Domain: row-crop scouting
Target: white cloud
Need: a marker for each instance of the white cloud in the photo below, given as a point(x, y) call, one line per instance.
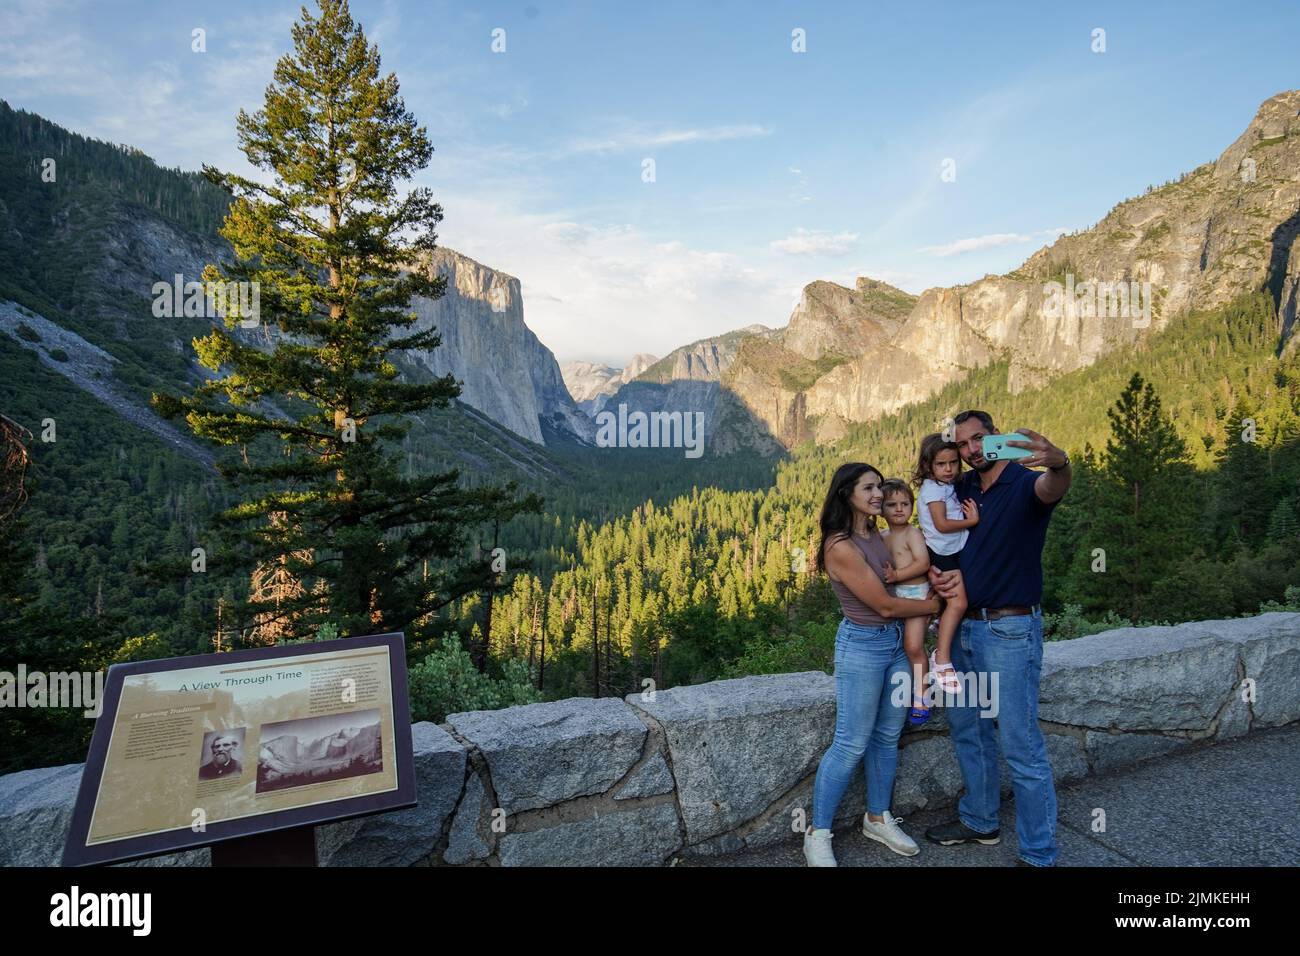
point(604, 292)
point(807, 242)
point(645, 139)
point(990, 241)
point(977, 242)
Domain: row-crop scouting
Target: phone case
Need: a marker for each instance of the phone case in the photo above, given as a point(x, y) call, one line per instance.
point(996, 447)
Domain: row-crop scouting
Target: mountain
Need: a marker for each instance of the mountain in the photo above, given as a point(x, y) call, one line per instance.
point(81, 254)
point(289, 761)
point(1225, 229)
point(282, 752)
point(504, 370)
point(704, 360)
point(749, 382)
point(689, 379)
point(591, 384)
point(831, 326)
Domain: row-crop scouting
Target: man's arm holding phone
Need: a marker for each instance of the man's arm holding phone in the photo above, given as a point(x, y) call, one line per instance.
point(1053, 483)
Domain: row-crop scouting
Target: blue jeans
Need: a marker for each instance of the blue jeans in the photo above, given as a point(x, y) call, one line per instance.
point(1013, 648)
point(870, 666)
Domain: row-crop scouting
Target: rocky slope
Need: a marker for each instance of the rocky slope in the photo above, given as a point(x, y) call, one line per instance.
point(829, 327)
point(505, 372)
point(689, 379)
point(852, 355)
point(703, 361)
point(750, 383)
point(1225, 228)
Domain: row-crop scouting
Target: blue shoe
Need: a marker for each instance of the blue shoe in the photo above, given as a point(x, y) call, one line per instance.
point(918, 715)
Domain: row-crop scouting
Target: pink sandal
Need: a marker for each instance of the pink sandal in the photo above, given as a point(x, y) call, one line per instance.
point(945, 674)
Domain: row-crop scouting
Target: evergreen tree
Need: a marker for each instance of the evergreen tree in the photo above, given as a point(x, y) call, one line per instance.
point(1284, 523)
point(1147, 521)
point(326, 242)
point(1242, 499)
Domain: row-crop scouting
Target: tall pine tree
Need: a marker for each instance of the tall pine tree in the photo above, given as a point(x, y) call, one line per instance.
point(337, 254)
point(1243, 498)
point(1148, 514)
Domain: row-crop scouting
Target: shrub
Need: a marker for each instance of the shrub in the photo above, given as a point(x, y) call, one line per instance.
point(1290, 602)
point(809, 647)
point(1071, 623)
point(447, 682)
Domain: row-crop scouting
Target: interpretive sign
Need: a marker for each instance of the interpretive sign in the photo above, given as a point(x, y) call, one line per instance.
point(191, 751)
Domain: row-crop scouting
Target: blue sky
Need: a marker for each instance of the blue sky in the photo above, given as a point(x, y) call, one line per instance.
point(772, 168)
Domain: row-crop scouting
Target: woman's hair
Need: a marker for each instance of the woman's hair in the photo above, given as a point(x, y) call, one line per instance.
point(897, 486)
point(837, 514)
point(931, 445)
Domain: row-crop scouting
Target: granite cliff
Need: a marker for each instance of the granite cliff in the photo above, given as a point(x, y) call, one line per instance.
point(1225, 228)
point(504, 370)
point(853, 355)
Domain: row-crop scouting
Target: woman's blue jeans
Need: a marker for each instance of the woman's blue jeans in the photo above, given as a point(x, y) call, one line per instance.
point(870, 668)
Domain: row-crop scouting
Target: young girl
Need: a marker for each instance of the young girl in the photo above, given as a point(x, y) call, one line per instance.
point(907, 579)
point(945, 524)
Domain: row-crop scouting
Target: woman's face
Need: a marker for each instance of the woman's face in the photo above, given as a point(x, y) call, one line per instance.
point(866, 497)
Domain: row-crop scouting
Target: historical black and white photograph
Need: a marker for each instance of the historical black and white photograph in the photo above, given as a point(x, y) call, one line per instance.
point(223, 754)
point(294, 753)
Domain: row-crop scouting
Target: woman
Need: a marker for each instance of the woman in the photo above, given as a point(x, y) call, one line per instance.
point(869, 664)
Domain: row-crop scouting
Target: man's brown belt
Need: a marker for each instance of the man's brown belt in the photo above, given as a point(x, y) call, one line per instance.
point(993, 613)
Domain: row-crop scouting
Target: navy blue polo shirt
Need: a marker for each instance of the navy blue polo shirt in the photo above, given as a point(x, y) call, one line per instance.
point(1002, 562)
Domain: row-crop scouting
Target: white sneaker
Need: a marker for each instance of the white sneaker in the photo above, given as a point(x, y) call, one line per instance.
point(888, 833)
point(817, 848)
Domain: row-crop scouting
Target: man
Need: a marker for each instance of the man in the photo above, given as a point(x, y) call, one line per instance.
point(223, 763)
point(1002, 568)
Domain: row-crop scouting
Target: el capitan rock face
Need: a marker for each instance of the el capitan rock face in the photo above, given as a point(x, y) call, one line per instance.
point(505, 372)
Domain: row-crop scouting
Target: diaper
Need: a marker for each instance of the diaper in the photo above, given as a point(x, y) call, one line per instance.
point(915, 592)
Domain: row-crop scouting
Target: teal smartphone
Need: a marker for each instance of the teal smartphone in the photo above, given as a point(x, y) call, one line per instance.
point(996, 447)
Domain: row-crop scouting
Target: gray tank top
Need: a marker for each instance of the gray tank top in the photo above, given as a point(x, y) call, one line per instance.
point(876, 552)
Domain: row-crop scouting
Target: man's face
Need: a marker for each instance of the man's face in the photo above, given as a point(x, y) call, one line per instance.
point(223, 751)
point(968, 436)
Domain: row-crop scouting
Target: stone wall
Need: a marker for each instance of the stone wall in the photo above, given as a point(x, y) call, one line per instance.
point(719, 767)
